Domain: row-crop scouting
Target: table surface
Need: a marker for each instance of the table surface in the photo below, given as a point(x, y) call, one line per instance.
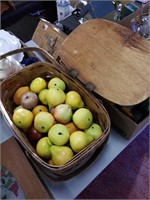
point(69, 189)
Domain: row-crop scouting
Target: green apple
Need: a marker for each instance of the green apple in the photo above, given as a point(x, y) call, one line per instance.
point(43, 121)
point(55, 96)
point(95, 130)
point(57, 83)
point(74, 99)
point(22, 118)
point(83, 118)
point(43, 148)
point(59, 134)
point(60, 154)
point(62, 113)
point(43, 96)
point(38, 84)
point(78, 141)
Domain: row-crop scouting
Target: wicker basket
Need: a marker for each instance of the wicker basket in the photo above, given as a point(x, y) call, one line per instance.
point(47, 70)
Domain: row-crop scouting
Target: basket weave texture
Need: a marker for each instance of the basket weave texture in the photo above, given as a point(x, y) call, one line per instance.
point(48, 70)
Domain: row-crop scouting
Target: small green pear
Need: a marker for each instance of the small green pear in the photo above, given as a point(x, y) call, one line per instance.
point(90, 138)
point(55, 96)
point(94, 130)
point(74, 99)
point(22, 118)
point(60, 154)
point(42, 96)
point(43, 148)
point(79, 140)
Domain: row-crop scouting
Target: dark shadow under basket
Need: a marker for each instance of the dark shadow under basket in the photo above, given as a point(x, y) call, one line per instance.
point(48, 70)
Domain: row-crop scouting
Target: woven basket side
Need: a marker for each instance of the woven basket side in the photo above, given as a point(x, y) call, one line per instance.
point(47, 71)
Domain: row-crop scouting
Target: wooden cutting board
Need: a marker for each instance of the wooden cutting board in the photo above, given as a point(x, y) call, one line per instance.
point(111, 57)
point(14, 160)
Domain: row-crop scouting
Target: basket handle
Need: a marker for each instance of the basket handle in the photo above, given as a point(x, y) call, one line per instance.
point(27, 49)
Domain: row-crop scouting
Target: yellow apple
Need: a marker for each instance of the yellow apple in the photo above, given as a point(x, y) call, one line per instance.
point(57, 83)
point(38, 84)
point(22, 118)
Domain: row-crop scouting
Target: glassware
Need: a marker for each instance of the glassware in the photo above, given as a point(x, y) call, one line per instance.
point(141, 25)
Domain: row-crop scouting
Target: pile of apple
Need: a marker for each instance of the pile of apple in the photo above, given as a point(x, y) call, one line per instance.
point(57, 122)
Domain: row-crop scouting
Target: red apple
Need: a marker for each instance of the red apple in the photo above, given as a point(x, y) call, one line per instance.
point(34, 135)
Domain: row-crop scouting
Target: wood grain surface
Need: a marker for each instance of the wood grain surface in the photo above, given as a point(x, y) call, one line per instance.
point(111, 57)
point(13, 159)
point(46, 31)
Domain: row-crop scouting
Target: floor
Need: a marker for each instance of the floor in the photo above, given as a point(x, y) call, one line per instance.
point(127, 177)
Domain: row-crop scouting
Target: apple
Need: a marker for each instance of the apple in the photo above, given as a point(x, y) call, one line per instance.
point(22, 118)
point(57, 83)
point(78, 141)
point(58, 134)
point(83, 118)
point(71, 127)
point(42, 96)
point(95, 130)
point(39, 108)
point(29, 100)
point(62, 113)
point(33, 135)
point(74, 99)
point(60, 154)
point(19, 92)
point(55, 96)
point(43, 121)
point(43, 148)
point(38, 84)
